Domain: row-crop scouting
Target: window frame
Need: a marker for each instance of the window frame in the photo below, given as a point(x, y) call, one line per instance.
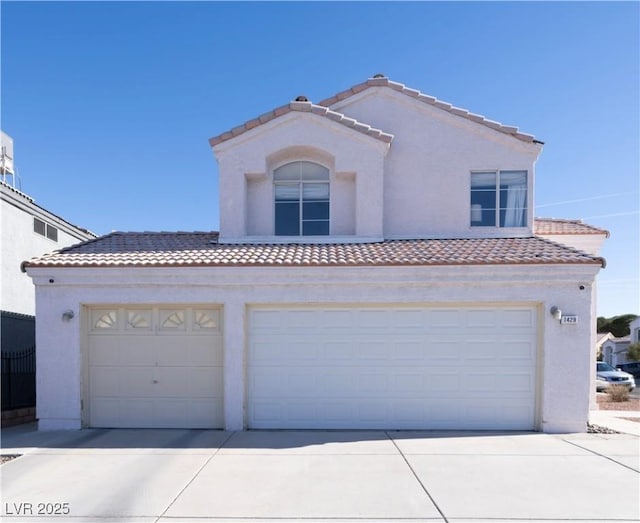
point(47, 230)
point(499, 208)
point(300, 184)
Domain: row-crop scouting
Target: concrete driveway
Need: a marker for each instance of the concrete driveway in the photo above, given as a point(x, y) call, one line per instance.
point(198, 476)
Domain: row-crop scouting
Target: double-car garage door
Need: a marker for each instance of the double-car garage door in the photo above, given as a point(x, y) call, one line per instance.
point(392, 368)
point(317, 368)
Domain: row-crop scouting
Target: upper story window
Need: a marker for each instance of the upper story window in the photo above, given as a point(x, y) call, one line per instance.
point(499, 199)
point(44, 229)
point(301, 192)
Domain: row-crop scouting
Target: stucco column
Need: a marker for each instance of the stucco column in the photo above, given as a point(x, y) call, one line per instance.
point(58, 361)
point(234, 342)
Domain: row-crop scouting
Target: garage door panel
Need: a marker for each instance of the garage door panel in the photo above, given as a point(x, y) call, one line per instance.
point(205, 350)
point(172, 412)
point(306, 350)
point(268, 413)
point(136, 381)
point(339, 319)
point(443, 352)
point(479, 383)
point(373, 384)
point(107, 409)
point(304, 410)
point(409, 383)
point(408, 320)
point(449, 320)
point(118, 350)
point(266, 351)
point(340, 412)
point(173, 382)
point(485, 352)
point(410, 411)
point(136, 350)
point(522, 351)
point(482, 319)
point(408, 350)
point(442, 384)
point(372, 351)
point(134, 412)
point(522, 318)
point(373, 320)
point(155, 367)
point(102, 351)
point(392, 368)
point(104, 380)
point(336, 351)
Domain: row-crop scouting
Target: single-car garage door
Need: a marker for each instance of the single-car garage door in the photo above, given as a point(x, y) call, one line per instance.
point(392, 368)
point(155, 367)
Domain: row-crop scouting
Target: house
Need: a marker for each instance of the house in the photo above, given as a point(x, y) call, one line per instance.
point(573, 233)
point(634, 330)
point(376, 267)
point(27, 230)
point(614, 349)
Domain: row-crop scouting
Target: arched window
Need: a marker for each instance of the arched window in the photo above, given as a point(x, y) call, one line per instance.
point(301, 192)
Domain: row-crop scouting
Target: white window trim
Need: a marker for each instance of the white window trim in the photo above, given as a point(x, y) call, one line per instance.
point(496, 225)
point(300, 183)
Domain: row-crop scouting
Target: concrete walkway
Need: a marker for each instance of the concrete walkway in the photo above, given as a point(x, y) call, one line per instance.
point(100, 475)
point(620, 420)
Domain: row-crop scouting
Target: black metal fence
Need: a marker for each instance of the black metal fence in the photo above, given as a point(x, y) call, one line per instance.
point(19, 379)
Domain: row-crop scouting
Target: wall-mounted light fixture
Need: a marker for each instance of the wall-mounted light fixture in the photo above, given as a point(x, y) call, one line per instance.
point(556, 313)
point(68, 315)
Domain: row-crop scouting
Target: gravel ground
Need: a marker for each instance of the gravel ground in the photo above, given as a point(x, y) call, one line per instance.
point(605, 404)
point(7, 457)
point(598, 429)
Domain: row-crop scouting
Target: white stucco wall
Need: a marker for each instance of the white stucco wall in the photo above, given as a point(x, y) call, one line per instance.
point(19, 242)
point(420, 189)
point(566, 358)
point(355, 162)
point(427, 170)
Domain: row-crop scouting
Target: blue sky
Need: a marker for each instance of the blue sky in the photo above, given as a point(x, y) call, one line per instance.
point(111, 104)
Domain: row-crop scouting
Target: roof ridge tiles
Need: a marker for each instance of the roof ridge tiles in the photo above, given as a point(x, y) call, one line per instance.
point(307, 107)
point(561, 226)
point(189, 249)
point(384, 81)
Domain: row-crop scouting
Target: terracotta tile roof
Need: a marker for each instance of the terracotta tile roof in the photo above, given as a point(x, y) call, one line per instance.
point(550, 226)
point(201, 249)
point(322, 109)
point(383, 81)
point(304, 107)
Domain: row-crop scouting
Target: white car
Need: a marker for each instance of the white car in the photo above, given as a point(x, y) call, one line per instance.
point(607, 375)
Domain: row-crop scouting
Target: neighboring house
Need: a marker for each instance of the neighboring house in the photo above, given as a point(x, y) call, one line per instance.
point(573, 233)
point(601, 338)
point(614, 350)
point(376, 268)
point(634, 330)
point(26, 230)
